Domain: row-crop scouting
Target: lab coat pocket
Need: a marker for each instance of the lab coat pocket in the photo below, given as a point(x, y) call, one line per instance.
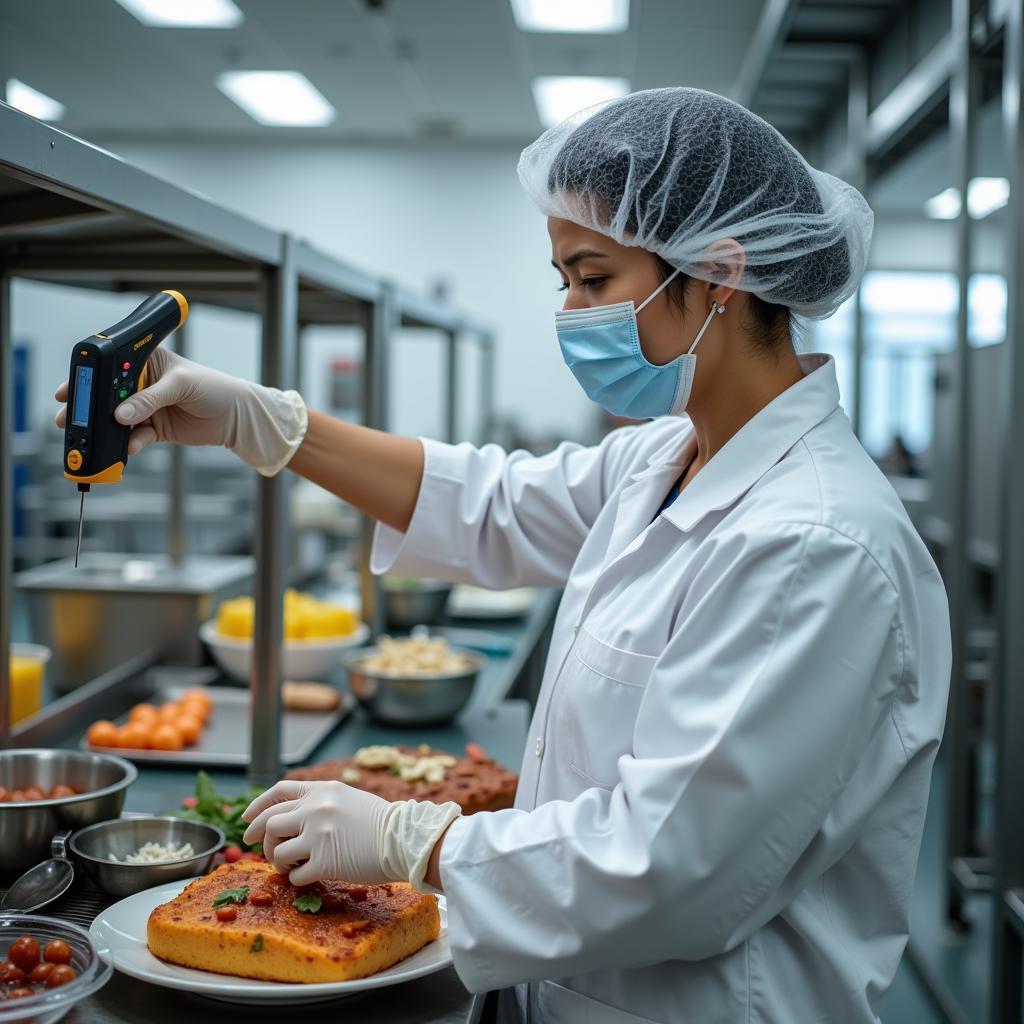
point(559, 1005)
point(599, 695)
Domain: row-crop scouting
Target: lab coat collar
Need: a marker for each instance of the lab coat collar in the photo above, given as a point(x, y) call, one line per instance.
point(757, 446)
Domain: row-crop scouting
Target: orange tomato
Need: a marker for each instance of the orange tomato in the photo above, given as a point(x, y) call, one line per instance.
point(142, 713)
point(190, 728)
point(194, 709)
point(133, 736)
point(102, 734)
point(169, 712)
point(166, 737)
point(197, 694)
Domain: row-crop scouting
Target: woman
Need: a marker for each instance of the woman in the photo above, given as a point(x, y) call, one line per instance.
point(721, 803)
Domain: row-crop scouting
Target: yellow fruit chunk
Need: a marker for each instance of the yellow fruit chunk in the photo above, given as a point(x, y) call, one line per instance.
point(305, 618)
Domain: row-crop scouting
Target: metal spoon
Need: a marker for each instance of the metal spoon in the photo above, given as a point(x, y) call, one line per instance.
point(44, 883)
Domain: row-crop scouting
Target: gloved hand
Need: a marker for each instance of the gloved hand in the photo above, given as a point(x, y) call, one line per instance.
point(320, 830)
point(186, 403)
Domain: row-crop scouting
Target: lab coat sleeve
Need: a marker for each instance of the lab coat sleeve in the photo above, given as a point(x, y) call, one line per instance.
point(784, 662)
point(502, 520)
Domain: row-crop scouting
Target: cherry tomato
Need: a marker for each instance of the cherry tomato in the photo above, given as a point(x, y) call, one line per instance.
point(60, 791)
point(57, 952)
point(16, 796)
point(11, 974)
point(475, 752)
point(232, 854)
point(261, 899)
point(226, 914)
point(60, 975)
point(39, 973)
point(20, 993)
point(24, 953)
point(102, 734)
point(189, 802)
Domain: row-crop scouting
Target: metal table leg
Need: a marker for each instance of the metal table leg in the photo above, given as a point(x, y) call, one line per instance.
point(6, 503)
point(271, 546)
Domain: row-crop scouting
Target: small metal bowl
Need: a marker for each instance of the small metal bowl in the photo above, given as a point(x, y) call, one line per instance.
point(415, 602)
point(413, 700)
point(26, 829)
point(92, 846)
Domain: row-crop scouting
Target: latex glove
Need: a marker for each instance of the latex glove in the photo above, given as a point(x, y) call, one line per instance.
point(186, 403)
point(321, 830)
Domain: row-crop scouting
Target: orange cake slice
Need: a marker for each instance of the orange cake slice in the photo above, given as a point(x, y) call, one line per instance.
point(246, 920)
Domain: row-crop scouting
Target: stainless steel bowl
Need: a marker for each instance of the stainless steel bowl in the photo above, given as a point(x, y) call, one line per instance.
point(26, 829)
point(414, 603)
point(91, 849)
point(412, 700)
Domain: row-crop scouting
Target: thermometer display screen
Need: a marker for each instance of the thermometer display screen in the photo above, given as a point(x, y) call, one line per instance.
point(83, 392)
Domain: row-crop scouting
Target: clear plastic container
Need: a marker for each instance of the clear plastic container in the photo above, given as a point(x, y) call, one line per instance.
point(88, 960)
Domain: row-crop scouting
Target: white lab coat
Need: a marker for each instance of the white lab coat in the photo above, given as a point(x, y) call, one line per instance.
point(721, 803)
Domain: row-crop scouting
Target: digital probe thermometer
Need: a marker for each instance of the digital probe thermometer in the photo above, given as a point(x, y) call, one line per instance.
point(106, 369)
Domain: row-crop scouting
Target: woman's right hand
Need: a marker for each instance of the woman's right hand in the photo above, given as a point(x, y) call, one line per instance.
point(186, 403)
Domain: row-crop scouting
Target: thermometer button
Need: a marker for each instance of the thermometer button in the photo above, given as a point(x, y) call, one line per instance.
point(74, 459)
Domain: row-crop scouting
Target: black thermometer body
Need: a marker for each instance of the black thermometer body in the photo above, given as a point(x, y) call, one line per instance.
point(107, 368)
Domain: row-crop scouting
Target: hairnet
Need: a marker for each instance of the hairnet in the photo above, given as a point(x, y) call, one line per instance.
point(676, 171)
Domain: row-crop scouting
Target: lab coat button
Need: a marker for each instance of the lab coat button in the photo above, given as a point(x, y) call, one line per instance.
point(539, 748)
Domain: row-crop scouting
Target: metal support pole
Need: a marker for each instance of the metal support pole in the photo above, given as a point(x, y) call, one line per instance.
point(963, 104)
point(280, 311)
point(6, 506)
point(177, 533)
point(380, 324)
point(1008, 945)
point(488, 358)
point(857, 172)
point(451, 386)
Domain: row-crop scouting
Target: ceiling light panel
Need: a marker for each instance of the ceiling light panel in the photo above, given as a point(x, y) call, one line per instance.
point(185, 13)
point(560, 96)
point(33, 102)
point(281, 98)
point(599, 16)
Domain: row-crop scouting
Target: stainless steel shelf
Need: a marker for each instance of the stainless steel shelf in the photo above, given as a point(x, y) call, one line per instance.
point(73, 214)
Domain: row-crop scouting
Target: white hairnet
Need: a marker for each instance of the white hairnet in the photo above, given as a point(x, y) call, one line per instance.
point(675, 171)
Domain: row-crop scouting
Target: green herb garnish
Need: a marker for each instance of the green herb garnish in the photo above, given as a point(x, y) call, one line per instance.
point(227, 896)
point(257, 946)
point(222, 812)
point(308, 904)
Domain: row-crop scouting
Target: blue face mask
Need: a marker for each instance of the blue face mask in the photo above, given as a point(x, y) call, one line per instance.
point(601, 346)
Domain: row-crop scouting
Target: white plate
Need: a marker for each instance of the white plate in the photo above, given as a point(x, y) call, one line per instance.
point(122, 929)
point(477, 603)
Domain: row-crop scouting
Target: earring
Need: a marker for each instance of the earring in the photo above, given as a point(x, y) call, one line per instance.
point(719, 308)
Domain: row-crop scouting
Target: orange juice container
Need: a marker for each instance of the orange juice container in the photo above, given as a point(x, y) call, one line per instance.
point(28, 665)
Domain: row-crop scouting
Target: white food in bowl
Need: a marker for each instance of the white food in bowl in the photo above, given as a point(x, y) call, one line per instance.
point(155, 853)
point(415, 656)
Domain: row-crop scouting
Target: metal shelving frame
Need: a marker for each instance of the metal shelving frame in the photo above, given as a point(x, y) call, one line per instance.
point(73, 214)
point(945, 83)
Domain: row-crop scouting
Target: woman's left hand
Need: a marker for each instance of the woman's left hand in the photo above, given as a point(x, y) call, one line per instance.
point(321, 830)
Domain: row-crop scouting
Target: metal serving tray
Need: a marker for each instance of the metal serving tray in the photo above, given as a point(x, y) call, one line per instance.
point(225, 741)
